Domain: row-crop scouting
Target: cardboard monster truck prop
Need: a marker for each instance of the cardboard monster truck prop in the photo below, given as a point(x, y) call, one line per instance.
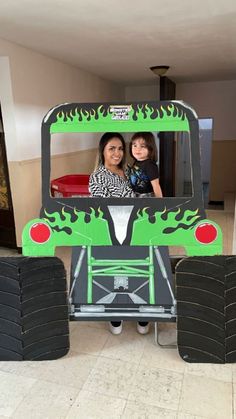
point(121, 268)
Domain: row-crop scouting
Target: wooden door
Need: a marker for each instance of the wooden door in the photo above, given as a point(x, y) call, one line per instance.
point(7, 224)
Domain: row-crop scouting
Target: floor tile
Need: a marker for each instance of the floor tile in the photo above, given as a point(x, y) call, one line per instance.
point(206, 397)
point(158, 357)
point(28, 369)
point(5, 252)
point(136, 410)
point(47, 401)
point(13, 389)
point(187, 416)
point(72, 326)
point(72, 370)
point(233, 367)
point(128, 346)
point(167, 333)
point(87, 339)
point(89, 405)
point(234, 398)
point(112, 378)
point(216, 371)
point(94, 325)
point(157, 387)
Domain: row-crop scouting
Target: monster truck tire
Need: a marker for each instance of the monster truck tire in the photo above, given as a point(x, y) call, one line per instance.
point(230, 310)
point(34, 321)
point(206, 309)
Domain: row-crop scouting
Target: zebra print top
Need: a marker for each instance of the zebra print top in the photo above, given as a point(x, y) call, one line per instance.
point(105, 184)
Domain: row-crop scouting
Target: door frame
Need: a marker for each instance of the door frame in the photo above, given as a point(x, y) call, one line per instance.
point(7, 221)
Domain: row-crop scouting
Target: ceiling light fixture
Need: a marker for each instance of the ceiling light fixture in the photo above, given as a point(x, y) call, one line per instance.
point(160, 70)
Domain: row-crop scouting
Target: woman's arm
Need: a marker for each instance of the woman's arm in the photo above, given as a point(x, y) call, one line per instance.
point(156, 188)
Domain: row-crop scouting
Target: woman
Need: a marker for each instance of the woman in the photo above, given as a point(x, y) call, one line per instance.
point(109, 180)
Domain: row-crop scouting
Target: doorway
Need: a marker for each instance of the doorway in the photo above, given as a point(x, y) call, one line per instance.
point(205, 139)
point(7, 224)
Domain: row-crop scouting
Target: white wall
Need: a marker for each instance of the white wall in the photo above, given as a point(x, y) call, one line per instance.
point(213, 100)
point(7, 107)
point(209, 99)
point(142, 93)
point(39, 83)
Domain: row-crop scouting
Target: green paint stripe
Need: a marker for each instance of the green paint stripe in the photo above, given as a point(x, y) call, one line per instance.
point(115, 262)
point(123, 273)
point(121, 126)
point(151, 278)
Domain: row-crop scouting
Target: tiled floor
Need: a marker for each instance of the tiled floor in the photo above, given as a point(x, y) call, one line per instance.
point(126, 376)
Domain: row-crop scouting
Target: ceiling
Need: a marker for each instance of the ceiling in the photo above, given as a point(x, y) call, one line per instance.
point(120, 39)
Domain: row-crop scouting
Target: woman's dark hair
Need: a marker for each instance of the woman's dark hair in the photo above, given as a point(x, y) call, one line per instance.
point(108, 136)
point(149, 139)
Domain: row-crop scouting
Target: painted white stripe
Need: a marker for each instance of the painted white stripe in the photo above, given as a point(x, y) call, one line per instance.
point(120, 216)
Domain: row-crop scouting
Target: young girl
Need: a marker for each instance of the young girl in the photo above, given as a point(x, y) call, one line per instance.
point(144, 174)
point(144, 177)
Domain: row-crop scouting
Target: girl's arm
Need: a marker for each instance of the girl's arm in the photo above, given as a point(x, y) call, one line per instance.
point(156, 188)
